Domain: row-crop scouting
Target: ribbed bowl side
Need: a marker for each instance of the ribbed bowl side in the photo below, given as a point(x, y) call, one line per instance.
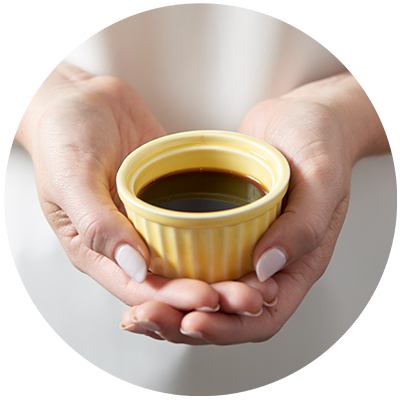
point(210, 255)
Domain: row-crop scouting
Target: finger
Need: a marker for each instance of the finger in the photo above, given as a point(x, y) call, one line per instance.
point(160, 319)
point(228, 329)
point(101, 227)
point(128, 325)
point(301, 228)
point(268, 289)
point(238, 298)
point(183, 294)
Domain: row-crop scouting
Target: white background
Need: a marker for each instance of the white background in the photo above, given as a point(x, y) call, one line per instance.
point(62, 333)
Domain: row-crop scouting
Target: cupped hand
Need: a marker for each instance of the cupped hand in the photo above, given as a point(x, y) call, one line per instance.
point(297, 248)
point(78, 130)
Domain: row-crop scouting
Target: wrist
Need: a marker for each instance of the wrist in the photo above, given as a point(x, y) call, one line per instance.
point(360, 125)
point(53, 88)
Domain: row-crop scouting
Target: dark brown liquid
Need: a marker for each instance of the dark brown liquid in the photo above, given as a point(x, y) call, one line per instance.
point(202, 190)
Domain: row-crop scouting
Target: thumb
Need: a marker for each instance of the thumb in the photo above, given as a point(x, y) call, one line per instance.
point(300, 229)
point(102, 227)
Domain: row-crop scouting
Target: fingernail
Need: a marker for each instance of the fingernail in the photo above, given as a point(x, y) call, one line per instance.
point(272, 303)
point(269, 263)
point(131, 262)
point(208, 309)
point(132, 328)
point(247, 314)
point(146, 324)
point(193, 334)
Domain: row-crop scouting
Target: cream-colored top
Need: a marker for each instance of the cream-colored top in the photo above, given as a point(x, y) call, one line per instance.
point(205, 66)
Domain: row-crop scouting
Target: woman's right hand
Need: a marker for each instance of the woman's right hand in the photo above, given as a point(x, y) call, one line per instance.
point(78, 130)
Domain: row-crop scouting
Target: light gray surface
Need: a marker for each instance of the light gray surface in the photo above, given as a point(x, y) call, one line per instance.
point(87, 317)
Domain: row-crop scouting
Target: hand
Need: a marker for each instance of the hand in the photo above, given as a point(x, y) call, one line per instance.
point(321, 138)
point(78, 130)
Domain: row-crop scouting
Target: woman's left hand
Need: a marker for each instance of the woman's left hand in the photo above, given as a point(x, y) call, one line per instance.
point(304, 236)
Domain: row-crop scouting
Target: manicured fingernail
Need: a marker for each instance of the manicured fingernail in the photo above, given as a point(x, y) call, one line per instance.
point(208, 309)
point(146, 324)
point(247, 314)
point(131, 262)
point(269, 263)
point(271, 303)
point(193, 334)
point(132, 328)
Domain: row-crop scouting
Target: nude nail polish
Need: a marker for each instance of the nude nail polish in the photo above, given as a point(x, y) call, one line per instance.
point(269, 263)
point(146, 324)
point(131, 262)
point(208, 309)
point(271, 303)
point(248, 314)
point(132, 328)
point(194, 335)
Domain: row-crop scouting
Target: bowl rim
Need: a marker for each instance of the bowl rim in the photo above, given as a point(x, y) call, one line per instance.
point(204, 219)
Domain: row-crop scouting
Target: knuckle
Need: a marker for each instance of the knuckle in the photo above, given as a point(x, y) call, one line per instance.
point(312, 233)
point(92, 233)
point(205, 295)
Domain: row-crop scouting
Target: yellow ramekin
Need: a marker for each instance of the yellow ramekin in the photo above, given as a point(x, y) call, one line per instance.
point(211, 246)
